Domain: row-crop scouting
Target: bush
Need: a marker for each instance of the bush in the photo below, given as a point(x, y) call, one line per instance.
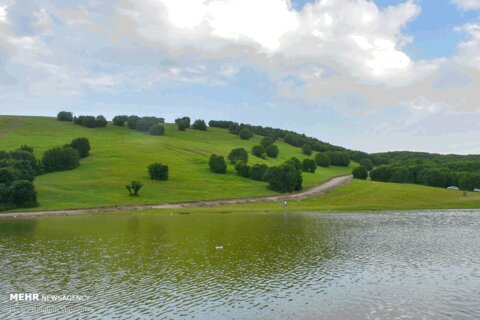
point(337, 158)
point(307, 149)
point(134, 187)
point(267, 142)
point(6, 201)
point(23, 194)
point(309, 165)
point(144, 124)
point(132, 122)
point(367, 164)
point(257, 172)
point(217, 164)
point(322, 160)
point(157, 130)
point(65, 116)
point(295, 162)
point(258, 151)
point(158, 172)
point(238, 154)
point(242, 168)
point(120, 120)
point(381, 173)
point(401, 175)
point(88, 122)
point(360, 173)
point(283, 178)
point(293, 139)
point(272, 151)
point(183, 123)
point(199, 125)
point(59, 159)
point(8, 175)
point(100, 122)
point(245, 134)
point(82, 145)
point(22, 154)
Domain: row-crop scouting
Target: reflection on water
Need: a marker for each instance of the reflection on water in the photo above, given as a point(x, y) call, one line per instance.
point(322, 266)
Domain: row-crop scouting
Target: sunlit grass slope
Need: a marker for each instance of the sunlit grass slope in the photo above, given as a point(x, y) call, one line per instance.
point(120, 155)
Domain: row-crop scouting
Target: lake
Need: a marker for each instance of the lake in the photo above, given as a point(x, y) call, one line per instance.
point(410, 265)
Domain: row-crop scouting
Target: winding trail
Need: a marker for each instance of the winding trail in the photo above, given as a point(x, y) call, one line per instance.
point(321, 189)
point(13, 123)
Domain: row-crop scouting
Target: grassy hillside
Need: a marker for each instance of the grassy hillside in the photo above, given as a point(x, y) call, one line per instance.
point(120, 155)
point(362, 196)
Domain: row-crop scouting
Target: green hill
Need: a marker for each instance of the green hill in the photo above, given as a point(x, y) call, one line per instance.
point(120, 155)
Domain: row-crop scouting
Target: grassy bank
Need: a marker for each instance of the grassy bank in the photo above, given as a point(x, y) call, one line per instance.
point(120, 155)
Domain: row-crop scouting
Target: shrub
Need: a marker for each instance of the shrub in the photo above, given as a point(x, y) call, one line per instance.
point(100, 122)
point(258, 151)
point(219, 124)
point(296, 163)
point(242, 168)
point(245, 134)
point(25, 153)
point(8, 175)
point(78, 120)
point(59, 159)
point(238, 154)
point(134, 187)
point(199, 125)
point(360, 173)
point(293, 139)
point(145, 123)
point(22, 169)
point(132, 122)
point(120, 120)
point(23, 194)
point(257, 172)
point(307, 149)
point(6, 201)
point(381, 173)
point(65, 116)
point(88, 122)
point(82, 145)
point(157, 130)
point(367, 164)
point(283, 178)
point(272, 151)
point(337, 158)
point(217, 164)
point(266, 142)
point(322, 160)
point(234, 128)
point(309, 165)
point(183, 123)
point(401, 175)
point(158, 172)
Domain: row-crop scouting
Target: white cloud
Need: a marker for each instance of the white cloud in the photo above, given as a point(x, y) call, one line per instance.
point(3, 14)
point(467, 4)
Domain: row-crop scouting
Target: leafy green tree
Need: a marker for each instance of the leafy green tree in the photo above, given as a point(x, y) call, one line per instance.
point(199, 125)
point(8, 175)
point(65, 116)
point(88, 122)
point(367, 164)
point(267, 142)
point(120, 120)
point(401, 175)
point(257, 172)
point(82, 145)
point(132, 122)
point(6, 201)
point(322, 160)
point(59, 159)
point(217, 164)
point(157, 130)
point(293, 139)
point(283, 178)
point(134, 187)
point(258, 151)
point(183, 123)
point(100, 122)
point(360, 173)
point(238, 154)
point(469, 181)
point(245, 134)
point(338, 158)
point(158, 172)
point(432, 177)
point(309, 165)
point(242, 168)
point(23, 194)
point(272, 151)
point(307, 149)
point(145, 123)
point(381, 173)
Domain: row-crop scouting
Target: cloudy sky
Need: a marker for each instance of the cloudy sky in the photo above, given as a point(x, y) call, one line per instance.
point(369, 75)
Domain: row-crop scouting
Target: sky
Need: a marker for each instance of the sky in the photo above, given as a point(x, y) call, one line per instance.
point(369, 75)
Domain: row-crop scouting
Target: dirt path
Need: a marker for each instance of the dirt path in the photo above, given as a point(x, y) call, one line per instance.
point(316, 191)
point(10, 127)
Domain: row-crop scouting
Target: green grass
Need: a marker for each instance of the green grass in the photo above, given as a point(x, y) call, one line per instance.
point(120, 155)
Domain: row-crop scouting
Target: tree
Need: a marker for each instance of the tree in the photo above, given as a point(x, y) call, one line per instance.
point(6, 201)
point(309, 165)
point(283, 178)
point(65, 116)
point(158, 172)
point(360, 173)
point(322, 160)
point(59, 159)
point(469, 181)
point(100, 122)
point(242, 168)
point(238, 154)
point(267, 142)
point(145, 123)
point(157, 130)
point(432, 177)
point(245, 134)
point(293, 139)
point(132, 122)
point(8, 175)
point(183, 123)
point(88, 121)
point(297, 164)
point(258, 151)
point(199, 125)
point(401, 175)
point(23, 194)
point(367, 164)
point(337, 158)
point(257, 172)
point(217, 164)
point(82, 145)
point(134, 187)
point(272, 151)
point(381, 173)
point(307, 149)
point(120, 120)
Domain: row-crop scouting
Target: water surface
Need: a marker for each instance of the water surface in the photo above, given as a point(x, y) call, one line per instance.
point(422, 265)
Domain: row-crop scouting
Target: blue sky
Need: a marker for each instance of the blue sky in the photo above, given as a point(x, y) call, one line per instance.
point(369, 75)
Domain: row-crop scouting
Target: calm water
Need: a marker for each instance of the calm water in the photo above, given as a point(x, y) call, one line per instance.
point(282, 266)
